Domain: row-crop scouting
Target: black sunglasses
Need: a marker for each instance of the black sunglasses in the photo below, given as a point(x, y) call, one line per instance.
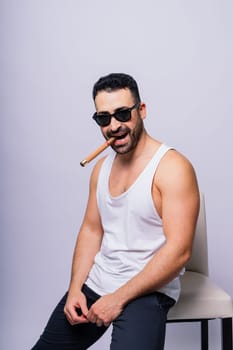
point(124, 115)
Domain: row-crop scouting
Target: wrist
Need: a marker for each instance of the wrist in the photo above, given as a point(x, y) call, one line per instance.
point(75, 286)
point(123, 296)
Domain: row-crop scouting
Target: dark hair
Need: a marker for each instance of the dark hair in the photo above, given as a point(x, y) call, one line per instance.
point(116, 81)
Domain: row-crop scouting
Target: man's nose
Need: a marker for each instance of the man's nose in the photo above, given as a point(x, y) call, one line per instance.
point(114, 124)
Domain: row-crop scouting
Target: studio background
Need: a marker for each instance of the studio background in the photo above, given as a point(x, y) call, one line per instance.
point(51, 53)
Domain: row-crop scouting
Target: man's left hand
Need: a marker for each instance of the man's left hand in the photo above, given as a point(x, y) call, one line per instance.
point(105, 310)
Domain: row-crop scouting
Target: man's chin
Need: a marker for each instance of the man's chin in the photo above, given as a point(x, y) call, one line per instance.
point(122, 149)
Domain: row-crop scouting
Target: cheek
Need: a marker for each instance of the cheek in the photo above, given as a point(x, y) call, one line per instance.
point(103, 130)
point(106, 132)
point(139, 125)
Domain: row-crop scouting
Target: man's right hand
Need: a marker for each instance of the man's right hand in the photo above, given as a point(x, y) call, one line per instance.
point(76, 308)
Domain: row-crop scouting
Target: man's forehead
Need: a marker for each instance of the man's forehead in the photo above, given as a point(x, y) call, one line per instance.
point(114, 99)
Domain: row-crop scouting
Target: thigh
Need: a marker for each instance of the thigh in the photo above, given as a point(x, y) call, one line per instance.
point(142, 324)
point(59, 334)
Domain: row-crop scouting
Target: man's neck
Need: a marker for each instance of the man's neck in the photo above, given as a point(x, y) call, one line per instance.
point(140, 149)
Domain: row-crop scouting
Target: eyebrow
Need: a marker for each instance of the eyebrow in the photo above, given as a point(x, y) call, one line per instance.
point(116, 110)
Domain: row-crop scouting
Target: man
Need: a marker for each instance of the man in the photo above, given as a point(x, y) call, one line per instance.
point(136, 235)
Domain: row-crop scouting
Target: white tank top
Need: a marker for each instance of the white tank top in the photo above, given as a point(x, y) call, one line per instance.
point(133, 230)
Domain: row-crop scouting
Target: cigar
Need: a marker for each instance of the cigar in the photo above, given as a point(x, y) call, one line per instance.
point(94, 154)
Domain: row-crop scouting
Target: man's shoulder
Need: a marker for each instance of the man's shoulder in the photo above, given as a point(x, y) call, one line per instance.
point(174, 169)
point(96, 170)
point(174, 159)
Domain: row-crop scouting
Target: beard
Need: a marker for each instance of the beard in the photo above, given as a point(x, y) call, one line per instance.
point(133, 136)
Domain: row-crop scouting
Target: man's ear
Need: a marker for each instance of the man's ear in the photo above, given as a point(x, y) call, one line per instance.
point(142, 110)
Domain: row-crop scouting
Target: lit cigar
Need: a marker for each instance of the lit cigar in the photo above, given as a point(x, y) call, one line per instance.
point(94, 154)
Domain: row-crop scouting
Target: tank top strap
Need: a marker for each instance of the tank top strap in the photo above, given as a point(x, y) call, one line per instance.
point(155, 160)
point(102, 184)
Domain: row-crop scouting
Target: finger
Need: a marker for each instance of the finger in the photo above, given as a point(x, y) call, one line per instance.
point(99, 323)
point(82, 319)
point(72, 316)
point(68, 316)
point(93, 313)
point(83, 306)
point(91, 317)
point(76, 319)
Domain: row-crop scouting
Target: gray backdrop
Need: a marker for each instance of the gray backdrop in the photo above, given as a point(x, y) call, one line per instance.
point(181, 54)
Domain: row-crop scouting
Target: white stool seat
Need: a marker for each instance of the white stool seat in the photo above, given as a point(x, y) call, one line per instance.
point(200, 299)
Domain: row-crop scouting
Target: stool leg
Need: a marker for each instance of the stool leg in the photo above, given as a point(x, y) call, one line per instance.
point(204, 335)
point(226, 333)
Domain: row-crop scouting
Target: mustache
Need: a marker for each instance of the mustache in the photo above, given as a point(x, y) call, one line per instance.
point(120, 130)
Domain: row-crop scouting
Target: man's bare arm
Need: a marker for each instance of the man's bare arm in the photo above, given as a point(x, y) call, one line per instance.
point(88, 244)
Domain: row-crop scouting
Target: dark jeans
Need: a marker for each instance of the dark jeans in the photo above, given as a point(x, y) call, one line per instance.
point(141, 326)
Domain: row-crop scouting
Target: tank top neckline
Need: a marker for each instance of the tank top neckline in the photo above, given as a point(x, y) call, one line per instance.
point(153, 160)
